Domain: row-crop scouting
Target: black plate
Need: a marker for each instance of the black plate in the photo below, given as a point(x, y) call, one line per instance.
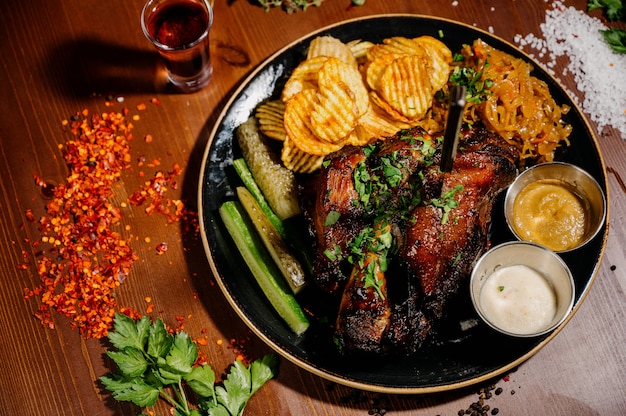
point(460, 357)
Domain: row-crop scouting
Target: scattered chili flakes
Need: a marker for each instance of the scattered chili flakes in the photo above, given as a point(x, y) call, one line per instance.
point(239, 348)
point(84, 259)
point(153, 195)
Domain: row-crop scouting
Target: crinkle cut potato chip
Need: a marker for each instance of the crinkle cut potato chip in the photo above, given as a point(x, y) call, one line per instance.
point(353, 93)
point(405, 85)
point(331, 47)
point(359, 48)
point(298, 110)
point(304, 76)
point(377, 123)
point(271, 119)
point(334, 71)
point(335, 115)
point(375, 69)
point(297, 160)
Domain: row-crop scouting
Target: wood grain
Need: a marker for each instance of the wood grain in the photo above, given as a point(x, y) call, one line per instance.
point(60, 57)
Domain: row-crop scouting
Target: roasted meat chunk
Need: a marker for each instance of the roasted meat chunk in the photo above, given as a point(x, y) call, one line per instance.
point(396, 237)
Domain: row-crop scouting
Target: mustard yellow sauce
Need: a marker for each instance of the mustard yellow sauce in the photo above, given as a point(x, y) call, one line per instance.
point(548, 212)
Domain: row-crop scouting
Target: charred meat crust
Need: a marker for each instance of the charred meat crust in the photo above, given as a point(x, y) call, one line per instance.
point(393, 301)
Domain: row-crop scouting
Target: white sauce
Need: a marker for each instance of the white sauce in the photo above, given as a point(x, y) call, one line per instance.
point(518, 299)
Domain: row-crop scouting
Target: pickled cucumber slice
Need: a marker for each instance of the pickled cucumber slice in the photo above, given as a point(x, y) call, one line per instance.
point(287, 263)
point(262, 266)
point(277, 183)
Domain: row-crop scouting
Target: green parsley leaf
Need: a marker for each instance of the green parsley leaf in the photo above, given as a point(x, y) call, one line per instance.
point(131, 390)
point(614, 9)
point(331, 218)
point(130, 361)
point(616, 39)
point(159, 341)
point(201, 379)
point(262, 370)
point(182, 355)
point(128, 333)
point(236, 388)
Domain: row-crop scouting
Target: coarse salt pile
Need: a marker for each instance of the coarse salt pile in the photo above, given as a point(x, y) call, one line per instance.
point(600, 73)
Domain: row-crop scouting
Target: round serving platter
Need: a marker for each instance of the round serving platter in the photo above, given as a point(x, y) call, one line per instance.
point(465, 351)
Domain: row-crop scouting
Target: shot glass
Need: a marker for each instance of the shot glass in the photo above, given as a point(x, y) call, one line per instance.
point(179, 29)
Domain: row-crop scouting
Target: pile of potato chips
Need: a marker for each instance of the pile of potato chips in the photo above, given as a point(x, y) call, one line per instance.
point(352, 94)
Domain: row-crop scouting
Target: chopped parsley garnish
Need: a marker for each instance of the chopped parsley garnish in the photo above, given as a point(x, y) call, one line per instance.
point(477, 88)
point(331, 218)
point(447, 202)
point(372, 240)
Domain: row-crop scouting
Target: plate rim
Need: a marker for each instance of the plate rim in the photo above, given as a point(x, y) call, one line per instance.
point(329, 375)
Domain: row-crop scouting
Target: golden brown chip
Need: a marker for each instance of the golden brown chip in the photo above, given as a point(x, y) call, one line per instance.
point(334, 71)
point(298, 111)
point(375, 68)
point(331, 47)
point(270, 116)
point(304, 76)
point(378, 123)
point(405, 86)
point(435, 45)
point(359, 48)
point(336, 114)
point(273, 130)
point(298, 161)
point(438, 61)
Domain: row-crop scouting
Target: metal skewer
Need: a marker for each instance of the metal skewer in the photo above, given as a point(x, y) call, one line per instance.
point(453, 126)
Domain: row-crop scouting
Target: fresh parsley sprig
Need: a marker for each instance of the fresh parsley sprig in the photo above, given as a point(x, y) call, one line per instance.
point(153, 363)
point(291, 6)
point(614, 10)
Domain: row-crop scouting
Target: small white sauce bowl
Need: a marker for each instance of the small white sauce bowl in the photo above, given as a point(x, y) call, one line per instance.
point(540, 259)
point(584, 185)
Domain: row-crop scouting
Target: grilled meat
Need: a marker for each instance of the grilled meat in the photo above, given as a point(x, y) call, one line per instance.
point(396, 237)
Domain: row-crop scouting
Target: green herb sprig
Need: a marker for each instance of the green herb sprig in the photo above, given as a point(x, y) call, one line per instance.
point(614, 10)
point(153, 363)
point(292, 6)
point(477, 88)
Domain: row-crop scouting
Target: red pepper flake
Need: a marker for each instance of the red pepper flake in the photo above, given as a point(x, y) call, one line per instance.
point(161, 248)
point(30, 216)
point(148, 138)
point(180, 322)
point(155, 101)
point(86, 258)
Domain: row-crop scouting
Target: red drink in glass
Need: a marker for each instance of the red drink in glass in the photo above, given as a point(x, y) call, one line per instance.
point(179, 29)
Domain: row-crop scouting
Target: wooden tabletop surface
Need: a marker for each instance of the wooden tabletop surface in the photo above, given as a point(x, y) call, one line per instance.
point(60, 58)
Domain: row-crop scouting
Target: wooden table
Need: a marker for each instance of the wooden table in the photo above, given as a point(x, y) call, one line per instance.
point(61, 57)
